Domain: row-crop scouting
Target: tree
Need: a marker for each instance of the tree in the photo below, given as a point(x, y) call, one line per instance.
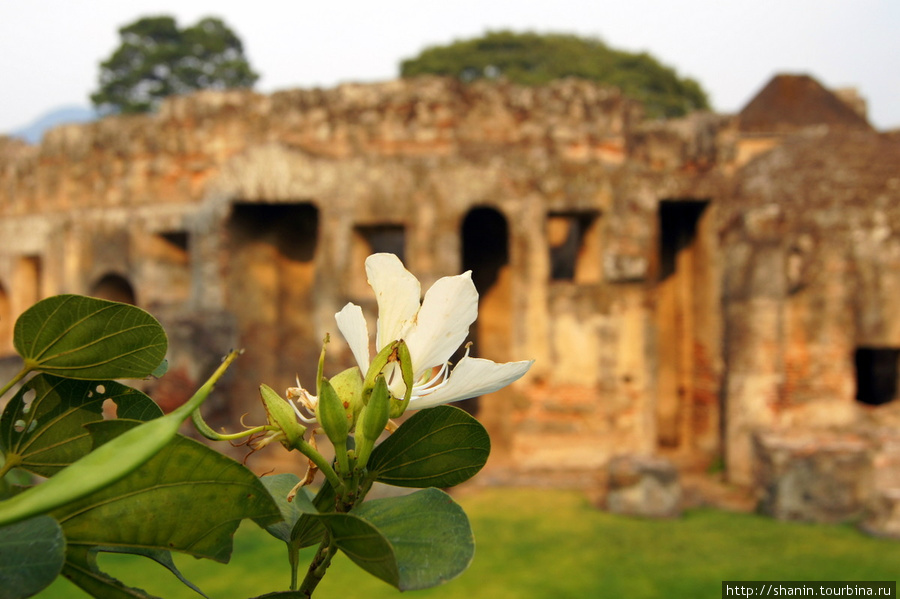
point(534, 59)
point(157, 59)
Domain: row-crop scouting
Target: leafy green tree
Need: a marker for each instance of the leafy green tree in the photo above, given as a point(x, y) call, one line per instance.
point(157, 59)
point(534, 59)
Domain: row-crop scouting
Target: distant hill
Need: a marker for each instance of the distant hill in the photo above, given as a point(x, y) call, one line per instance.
point(33, 132)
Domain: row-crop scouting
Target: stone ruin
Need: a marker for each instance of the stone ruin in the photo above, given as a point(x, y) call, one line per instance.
point(715, 289)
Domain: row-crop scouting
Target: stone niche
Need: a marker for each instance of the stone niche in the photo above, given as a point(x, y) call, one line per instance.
point(643, 485)
point(813, 478)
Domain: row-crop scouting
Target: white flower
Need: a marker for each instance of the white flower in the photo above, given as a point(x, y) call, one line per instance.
point(433, 331)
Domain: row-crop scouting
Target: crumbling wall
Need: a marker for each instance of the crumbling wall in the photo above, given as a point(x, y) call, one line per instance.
point(242, 218)
point(811, 275)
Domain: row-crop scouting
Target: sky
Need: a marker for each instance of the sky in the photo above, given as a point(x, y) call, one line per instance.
point(50, 50)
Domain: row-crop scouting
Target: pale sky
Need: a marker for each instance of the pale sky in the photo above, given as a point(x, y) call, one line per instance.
point(50, 49)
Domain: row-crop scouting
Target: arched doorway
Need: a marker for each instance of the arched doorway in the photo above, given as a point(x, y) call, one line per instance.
point(115, 287)
point(485, 251)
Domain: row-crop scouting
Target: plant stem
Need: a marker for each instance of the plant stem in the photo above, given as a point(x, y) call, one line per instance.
point(318, 566)
point(294, 559)
point(321, 463)
point(205, 430)
point(22, 374)
point(349, 494)
point(206, 388)
point(8, 464)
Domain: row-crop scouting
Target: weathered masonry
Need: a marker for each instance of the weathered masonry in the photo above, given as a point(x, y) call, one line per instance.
point(685, 286)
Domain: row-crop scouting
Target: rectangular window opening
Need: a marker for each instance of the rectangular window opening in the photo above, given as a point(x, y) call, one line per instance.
point(677, 230)
point(571, 236)
point(876, 374)
point(177, 239)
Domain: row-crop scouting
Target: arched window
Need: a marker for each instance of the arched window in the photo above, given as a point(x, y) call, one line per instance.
point(485, 251)
point(485, 237)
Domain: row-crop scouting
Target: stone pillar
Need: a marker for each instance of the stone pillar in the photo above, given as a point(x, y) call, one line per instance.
point(205, 230)
point(754, 292)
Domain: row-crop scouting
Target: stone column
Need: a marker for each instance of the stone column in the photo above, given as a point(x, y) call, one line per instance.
point(753, 348)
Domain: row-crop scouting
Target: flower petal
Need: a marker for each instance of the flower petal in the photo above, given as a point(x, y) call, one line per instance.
point(353, 327)
point(442, 324)
point(473, 377)
point(397, 292)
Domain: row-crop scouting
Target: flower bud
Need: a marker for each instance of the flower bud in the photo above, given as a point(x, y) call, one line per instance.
point(281, 415)
point(335, 422)
point(387, 355)
point(331, 414)
point(348, 386)
point(320, 369)
point(372, 420)
point(398, 406)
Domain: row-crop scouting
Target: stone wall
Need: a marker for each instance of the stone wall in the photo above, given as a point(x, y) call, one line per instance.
point(813, 238)
point(676, 300)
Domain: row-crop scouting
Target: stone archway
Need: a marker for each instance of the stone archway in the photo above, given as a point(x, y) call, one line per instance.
point(485, 251)
point(115, 287)
point(485, 243)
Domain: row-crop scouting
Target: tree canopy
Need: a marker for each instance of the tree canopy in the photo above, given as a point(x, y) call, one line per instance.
point(535, 59)
point(157, 59)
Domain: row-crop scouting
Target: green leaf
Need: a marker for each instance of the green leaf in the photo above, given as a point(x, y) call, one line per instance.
point(279, 485)
point(364, 544)
point(413, 542)
point(163, 558)
point(31, 556)
point(429, 534)
point(47, 433)
point(110, 463)
point(14, 482)
point(187, 498)
point(161, 370)
point(437, 447)
point(81, 568)
point(308, 530)
point(88, 338)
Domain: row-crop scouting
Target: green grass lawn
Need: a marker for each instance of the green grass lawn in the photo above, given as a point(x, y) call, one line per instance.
point(553, 544)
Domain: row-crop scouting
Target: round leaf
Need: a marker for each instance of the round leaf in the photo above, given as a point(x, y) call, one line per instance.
point(437, 447)
point(413, 542)
point(364, 544)
point(31, 556)
point(108, 462)
point(47, 433)
point(88, 338)
point(429, 534)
